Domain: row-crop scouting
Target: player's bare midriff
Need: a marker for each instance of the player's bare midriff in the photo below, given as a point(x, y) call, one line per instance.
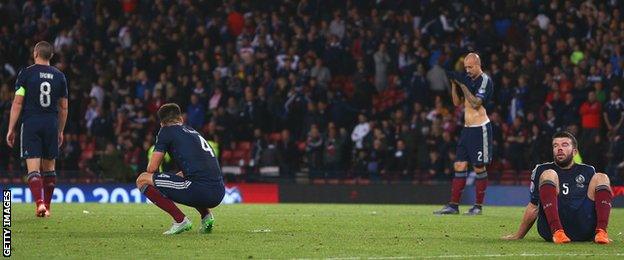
point(474, 117)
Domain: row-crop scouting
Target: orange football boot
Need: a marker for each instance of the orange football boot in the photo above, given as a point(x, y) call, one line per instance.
point(560, 237)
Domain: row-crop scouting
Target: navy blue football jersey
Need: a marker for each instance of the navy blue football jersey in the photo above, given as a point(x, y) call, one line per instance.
point(573, 183)
point(42, 87)
point(482, 87)
point(191, 152)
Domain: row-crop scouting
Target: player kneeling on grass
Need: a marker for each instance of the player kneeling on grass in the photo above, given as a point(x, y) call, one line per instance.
point(571, 202)
point(199, 184)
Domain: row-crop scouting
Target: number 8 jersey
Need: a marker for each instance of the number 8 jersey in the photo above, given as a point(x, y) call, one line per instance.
point(191, 152)
point(42, 86)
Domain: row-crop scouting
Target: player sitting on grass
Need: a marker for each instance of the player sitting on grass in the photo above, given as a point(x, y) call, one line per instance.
point(199, 184)
point(571, 202)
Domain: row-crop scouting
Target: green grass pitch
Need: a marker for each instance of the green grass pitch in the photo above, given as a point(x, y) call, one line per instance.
point(308, 231)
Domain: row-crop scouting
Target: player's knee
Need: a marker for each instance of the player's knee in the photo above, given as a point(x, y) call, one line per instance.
point(460, 166)
point(601, 179)
point(47, 165)
point(479, 169)
point(549, 176)
point(143, 179)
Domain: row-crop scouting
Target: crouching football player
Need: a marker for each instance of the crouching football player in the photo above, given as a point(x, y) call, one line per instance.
point(571, 202)
point(199, 184)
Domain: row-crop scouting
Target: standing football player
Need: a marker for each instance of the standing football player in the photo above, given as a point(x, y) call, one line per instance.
point(475, 142)
point(570, 201)
point(41, 94)
point(199, 184)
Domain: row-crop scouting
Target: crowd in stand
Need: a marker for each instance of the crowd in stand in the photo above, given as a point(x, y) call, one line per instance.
point(334, 89)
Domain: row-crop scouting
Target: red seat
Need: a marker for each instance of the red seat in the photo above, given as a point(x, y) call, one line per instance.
point(246, 146)
point(275, 137)
point(226, 156)
point(318, 181)
point(239, 154)
point(349, 181)
point(363, 181)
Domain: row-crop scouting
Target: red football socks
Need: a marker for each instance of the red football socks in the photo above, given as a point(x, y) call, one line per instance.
point(603, 199)
point(49, 182)
point(457, 187)
point(481, 184)
point(164, 203)
point(35, 183)
point(548, 199)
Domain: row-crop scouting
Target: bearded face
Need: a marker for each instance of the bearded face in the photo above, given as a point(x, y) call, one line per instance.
point(563, 151)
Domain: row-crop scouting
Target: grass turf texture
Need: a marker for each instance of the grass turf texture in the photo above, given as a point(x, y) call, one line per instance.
point(133, 231)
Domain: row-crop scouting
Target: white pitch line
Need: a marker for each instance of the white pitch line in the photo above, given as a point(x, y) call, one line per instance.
point(462, 256)
point(515, 255)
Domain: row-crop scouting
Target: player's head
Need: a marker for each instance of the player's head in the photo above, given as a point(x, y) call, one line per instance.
point(170, 114)
point(472, 64)
point(564, 148)
point(43, 50)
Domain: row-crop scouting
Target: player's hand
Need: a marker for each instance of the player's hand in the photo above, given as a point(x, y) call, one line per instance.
point(511, 237)
point(10, 138)
point(180, 173)
point(60, 139)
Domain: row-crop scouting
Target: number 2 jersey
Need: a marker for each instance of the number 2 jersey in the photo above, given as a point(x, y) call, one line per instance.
point(191, 152)
point(42, 86)
point(573, 183)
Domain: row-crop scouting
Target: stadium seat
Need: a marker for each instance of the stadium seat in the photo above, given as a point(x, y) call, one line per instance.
point(233, 170)
point(269, 171)
point(226, 157)
point(349, 182)
point(245, 146)
point(362, 181)
point(333, 181)
point(275, 137)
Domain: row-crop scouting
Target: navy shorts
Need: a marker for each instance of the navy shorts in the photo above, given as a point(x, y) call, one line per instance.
point(475, 145)
point(577, 218)
point(192, 193)
point(39, 137)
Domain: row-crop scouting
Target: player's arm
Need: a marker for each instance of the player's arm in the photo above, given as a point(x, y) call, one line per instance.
point(62, 118)
point(16, 110)
point(160, 148)
point(475, 102)
point(530, 215)
point(457, 99)
point(155, 161)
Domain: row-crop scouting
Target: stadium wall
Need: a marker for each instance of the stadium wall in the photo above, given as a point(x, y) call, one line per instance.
point(294, 193)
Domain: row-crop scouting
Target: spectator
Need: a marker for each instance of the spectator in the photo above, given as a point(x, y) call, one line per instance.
point(254, 65)
point(382, 60)
point(314, 153)
point(614, 114)
point(399, 164)
point(288, 155)
point(320, 73)
point(590, 113)
point(360, 132)
point(91, 113)
point(332, 154)
point(195, 113)
point(438, 82)
point(376, 160)
point(97, 91)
